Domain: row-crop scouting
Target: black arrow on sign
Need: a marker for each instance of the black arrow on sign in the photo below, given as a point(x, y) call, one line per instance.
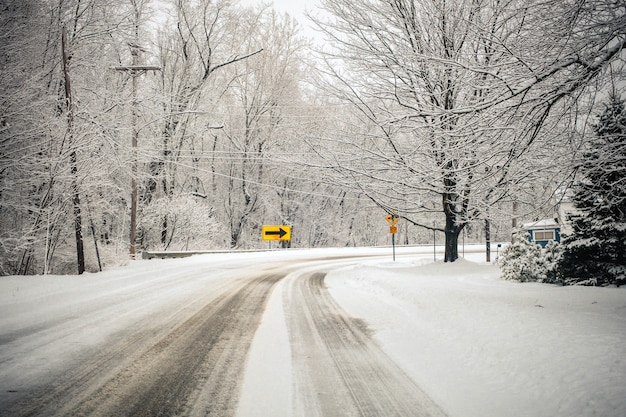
point(280, 232)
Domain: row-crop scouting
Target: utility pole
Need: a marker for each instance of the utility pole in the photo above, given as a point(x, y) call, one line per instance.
point(133, 180)
point(135, 70)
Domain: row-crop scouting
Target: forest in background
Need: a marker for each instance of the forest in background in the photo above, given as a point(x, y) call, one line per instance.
point(462, 117)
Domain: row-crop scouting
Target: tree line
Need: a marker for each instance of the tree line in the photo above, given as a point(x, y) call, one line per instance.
point(188, 124)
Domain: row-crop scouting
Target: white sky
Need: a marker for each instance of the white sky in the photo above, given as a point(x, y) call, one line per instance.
point(295, 8)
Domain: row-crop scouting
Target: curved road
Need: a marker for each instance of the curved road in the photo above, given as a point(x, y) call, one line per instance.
point(132, 351)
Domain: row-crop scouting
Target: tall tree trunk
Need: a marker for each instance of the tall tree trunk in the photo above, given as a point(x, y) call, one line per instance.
point(452, 232)
point(78, 218)
point(78, 226)
point(451, 210)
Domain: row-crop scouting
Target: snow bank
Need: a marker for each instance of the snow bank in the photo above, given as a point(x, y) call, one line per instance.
point(482, 347)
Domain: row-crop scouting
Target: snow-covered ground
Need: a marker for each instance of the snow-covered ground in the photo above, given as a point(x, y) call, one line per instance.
point(478, 345)
point(482, 347)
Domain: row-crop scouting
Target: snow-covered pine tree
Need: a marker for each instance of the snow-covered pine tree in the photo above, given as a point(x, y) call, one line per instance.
point(551, 260)
point(522, 260)
point(595, 253)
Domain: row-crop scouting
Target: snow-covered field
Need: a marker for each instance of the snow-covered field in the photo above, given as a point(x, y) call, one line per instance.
point(478, 345)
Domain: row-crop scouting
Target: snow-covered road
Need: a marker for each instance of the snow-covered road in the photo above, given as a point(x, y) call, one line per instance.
point(341, 332)
point(310, 358)
point(143, 340)
point(173, 338)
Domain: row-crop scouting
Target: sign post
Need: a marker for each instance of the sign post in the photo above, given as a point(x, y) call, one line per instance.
point(393, 229)
point(434, 243)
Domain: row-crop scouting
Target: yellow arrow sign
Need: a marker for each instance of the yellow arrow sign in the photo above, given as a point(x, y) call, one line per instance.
point(276, 232)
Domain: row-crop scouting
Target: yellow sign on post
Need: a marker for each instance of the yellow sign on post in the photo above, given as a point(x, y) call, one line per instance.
point(392, 219)
point(276, 232)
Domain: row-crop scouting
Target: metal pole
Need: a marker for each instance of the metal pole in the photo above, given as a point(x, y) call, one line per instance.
point(393, 245)
point(434, 243)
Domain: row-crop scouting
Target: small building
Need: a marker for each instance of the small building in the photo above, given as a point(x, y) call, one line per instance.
point(543, 231)
point(566, 211)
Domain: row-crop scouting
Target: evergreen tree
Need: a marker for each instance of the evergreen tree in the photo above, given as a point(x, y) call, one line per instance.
point(523, 260)
point(595, 253)
point(551, 260)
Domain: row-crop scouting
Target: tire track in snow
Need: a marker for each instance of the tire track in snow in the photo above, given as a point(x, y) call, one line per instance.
point(339, 369)
point(196, 369)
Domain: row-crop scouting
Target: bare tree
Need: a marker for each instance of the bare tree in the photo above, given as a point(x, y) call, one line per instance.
point(264, 93)
point(69, 109)
point(452, 94)
point(194, 55)
point(24, 138)
point(55, 160)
